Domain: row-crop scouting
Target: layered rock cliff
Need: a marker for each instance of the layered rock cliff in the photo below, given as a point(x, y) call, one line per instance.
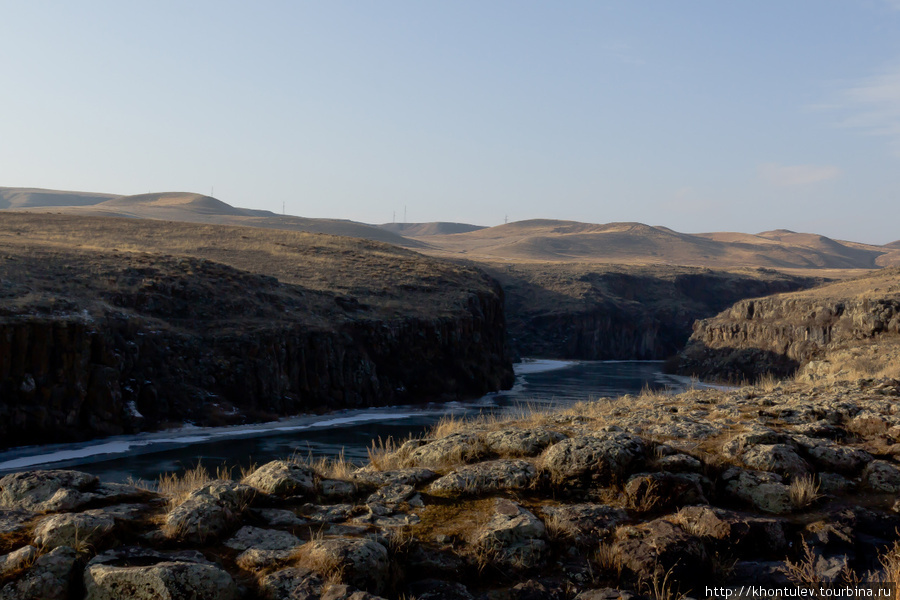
point(599, 312)
point(782, 333)
point(96, 342)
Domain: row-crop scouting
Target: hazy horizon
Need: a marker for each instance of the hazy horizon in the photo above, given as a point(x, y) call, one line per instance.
point(703, 117)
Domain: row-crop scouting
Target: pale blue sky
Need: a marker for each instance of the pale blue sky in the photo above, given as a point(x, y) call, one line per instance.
point(700, 115)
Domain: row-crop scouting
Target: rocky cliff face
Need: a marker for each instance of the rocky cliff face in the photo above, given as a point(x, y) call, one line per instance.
point(96, 344)
point(617, 312)
point(780, 334)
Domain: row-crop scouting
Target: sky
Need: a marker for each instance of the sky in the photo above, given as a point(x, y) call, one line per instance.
point(700, 115)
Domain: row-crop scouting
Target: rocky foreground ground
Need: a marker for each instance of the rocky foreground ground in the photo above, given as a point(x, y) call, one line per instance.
point(654, 496)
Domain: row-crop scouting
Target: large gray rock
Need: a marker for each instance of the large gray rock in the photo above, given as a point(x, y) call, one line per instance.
point(485, 477)
point(596, 457)
point(413, 476)
point(778, 458)
point(283, 478)
point(585, 523)
point(147, 575)
point(340, 591)
point(646, 491)
point(78, 530)
point(17, 560)
point(15, 522)
point(262, 539)
point(59, 491)
point(513, 537)
point(838, 459)
point(295, 583)
point(735, 532)
point(361, 562)
point(655, 548)
point(882, 476)
point(762, 489)
point(453, 449)
point(208, 512)
point(35, 490)
point(50, 578)
point(521, 442)
point(735, 447)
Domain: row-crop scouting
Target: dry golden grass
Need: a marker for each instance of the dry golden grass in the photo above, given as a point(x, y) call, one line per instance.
point(608, 560)
point(178, 486)
point(803, 491)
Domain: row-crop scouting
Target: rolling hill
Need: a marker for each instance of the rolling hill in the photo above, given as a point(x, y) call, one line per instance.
point(544, 240)
point(192, 208)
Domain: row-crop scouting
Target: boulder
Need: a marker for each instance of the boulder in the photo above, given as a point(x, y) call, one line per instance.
point(336, 489)
point(736, 446)
point(513, 538)
point(15, 522)
point(255, 559)
point(78, 530)
point(277, 517)
point(138, 574)
point(882, 476)
point(679, 463)
point(735, 532)
point(359, 561)
point(596, 457)
point(485, 477)
point(762, 489)
point(439, 589)
point(17, 560)
point(283, 478)
point(521, 442)
point(340, 591)
point(585, 523)
point(453, 449)
point(609, 594)
point(262, 539)
point(50, 578)
point(295, 583)
point(665, 490)
point(657, 548)
point(415, 476)
point(778, 458)
point(208, 512)
point(838, 459)
point(394, 494)
point(35, 490)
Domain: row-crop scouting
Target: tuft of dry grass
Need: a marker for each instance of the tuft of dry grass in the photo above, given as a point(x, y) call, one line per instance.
point(804, 491)
point(608, 559)
point(178, 486)
point(662, 587)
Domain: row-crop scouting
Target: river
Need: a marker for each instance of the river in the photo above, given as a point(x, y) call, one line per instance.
point(147, 455)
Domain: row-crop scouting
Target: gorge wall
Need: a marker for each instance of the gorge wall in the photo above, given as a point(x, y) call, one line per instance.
point(102, 342)
point(602, 312)
point(857, 319)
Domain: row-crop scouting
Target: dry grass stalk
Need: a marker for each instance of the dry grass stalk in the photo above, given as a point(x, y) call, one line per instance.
point(804, 491)
point(176, 487)
point(802, 572)
point(662, 587)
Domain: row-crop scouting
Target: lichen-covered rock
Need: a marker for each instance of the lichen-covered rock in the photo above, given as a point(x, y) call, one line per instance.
point(256, 559)
point(586, 523)
point(762, 489)
point(754, 437)
point(73, 529)
point(17, 560)
point(277, 517)
point(838, 459)
point(393, 494)
point(50, 578)
point(609, 594)
point(778, 458)
point(521, 442)
point(340, 591)
point(513, 537)
point(415, 476)
point(484, 477)
point(439, 589)
point(283, 478)
point(35, 490)
point(14, 522)
point(148, 575)
point(596, 457)
point(262, 539)
point(208, 512)
point(882, 476)
point(736, 532)
point(361, 562)
point(658, 548)
point(453, 449)
point(665, 490)
point(295, 583)
point(679, 463)
point(336, 489)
